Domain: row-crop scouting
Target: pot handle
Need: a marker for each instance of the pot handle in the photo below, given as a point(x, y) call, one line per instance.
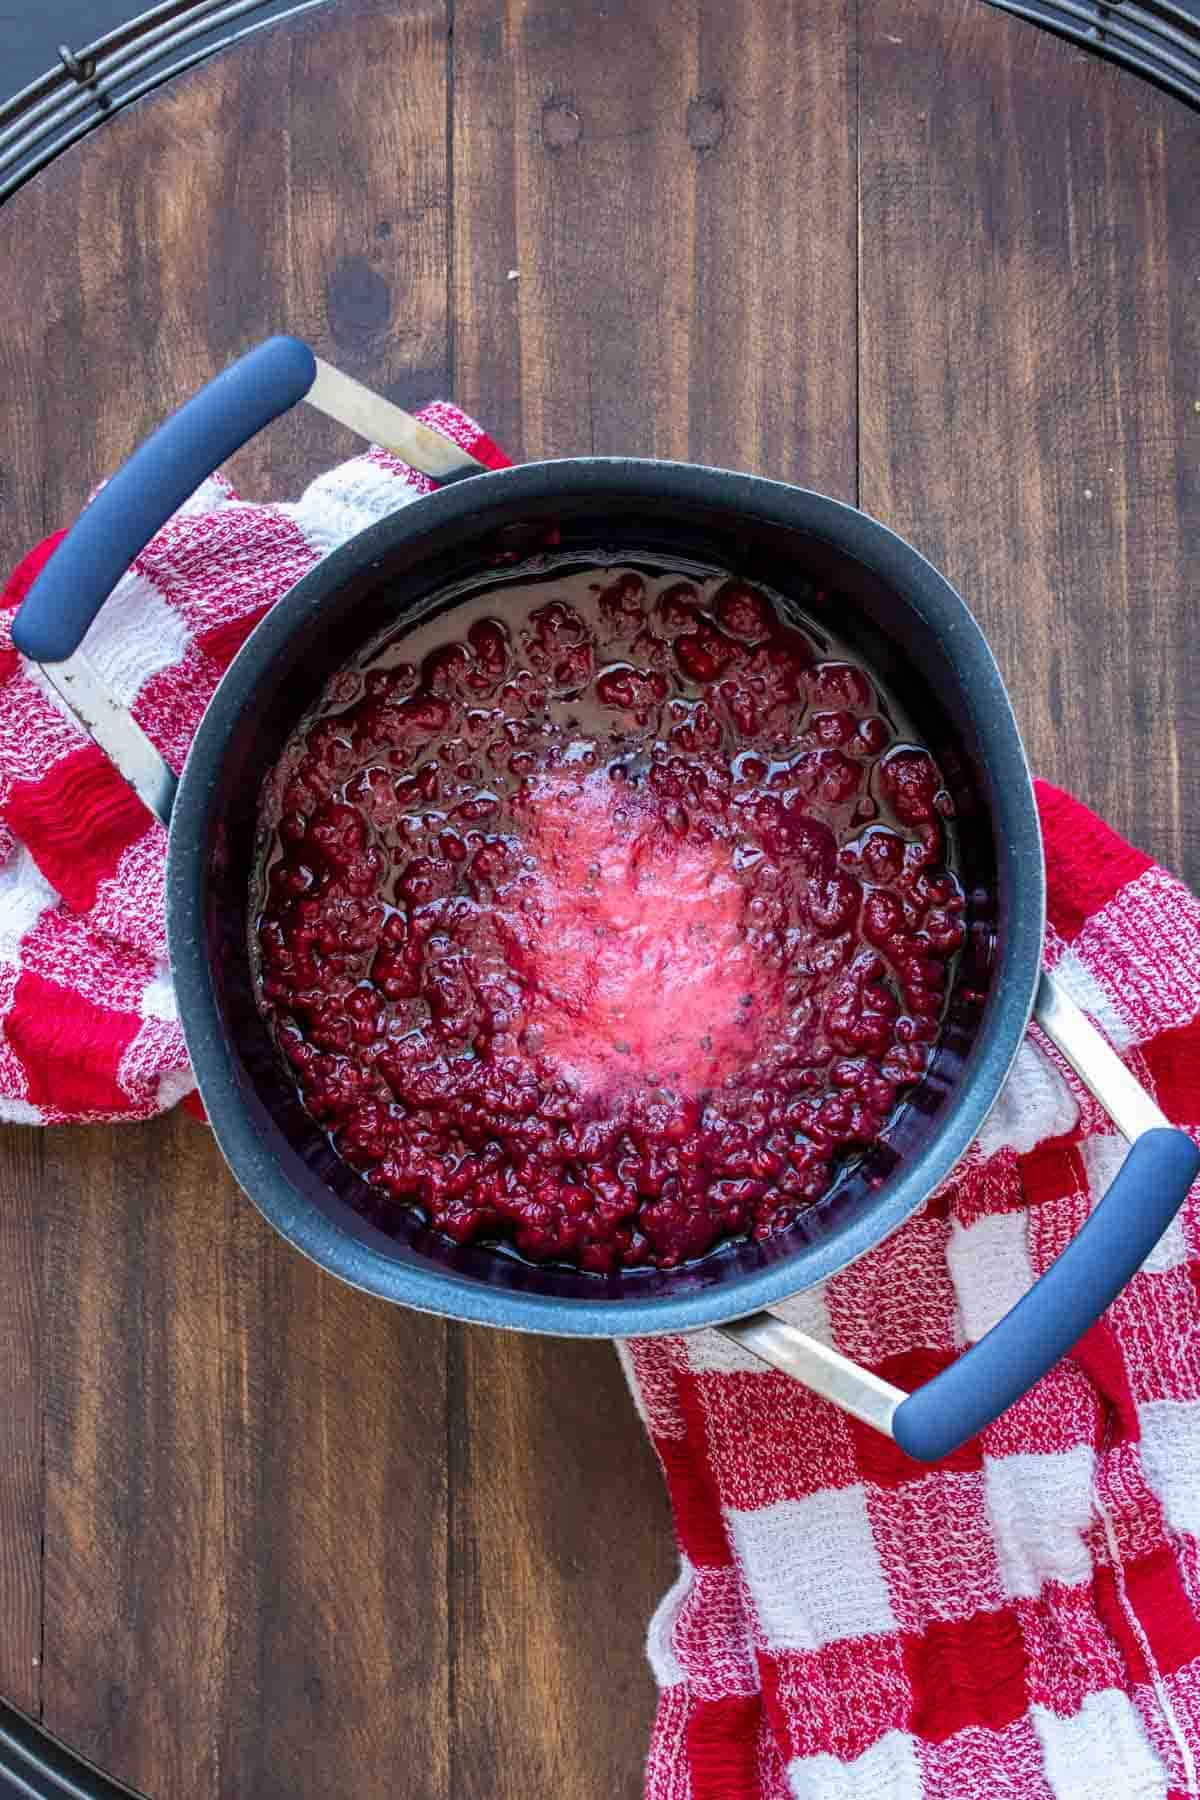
point(53, 620)
point(1049, 1320)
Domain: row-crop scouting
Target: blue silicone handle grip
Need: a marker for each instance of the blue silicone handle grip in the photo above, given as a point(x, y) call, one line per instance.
point(1049, 1320)
point(63, 601)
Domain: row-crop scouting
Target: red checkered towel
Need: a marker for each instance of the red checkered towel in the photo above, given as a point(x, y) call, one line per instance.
point(1023, 1618)
point(847, 1625)
point(88, 1024)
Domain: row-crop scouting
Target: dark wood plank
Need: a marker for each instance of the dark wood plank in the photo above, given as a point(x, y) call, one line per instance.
point(561, 1547)
point(297, 185)
point(676, 192)
point(336, 1538)
point(1030, 374)
point(245, 1528)
point(135, 1522)
point(245, 1565)
point(21, 1485)
point(682, 225)
point(771, 129)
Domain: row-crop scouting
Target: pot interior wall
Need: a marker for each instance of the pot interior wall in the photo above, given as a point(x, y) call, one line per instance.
point(894, 641)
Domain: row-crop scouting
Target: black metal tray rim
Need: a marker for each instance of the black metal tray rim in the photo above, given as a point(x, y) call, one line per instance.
point(90, 84)
point(1156, 39)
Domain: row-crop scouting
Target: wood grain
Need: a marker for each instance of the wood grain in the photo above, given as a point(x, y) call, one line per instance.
point(1030, 252)
point(245, 1521)
point(298, 185)
point(21, 1404)
point(674, 190)
point(560, 1546)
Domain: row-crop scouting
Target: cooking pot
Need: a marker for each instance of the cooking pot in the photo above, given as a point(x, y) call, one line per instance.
point(911, 627)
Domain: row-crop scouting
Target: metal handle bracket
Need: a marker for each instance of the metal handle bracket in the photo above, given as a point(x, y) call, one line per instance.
point(51, 625)
point(1046, 1322)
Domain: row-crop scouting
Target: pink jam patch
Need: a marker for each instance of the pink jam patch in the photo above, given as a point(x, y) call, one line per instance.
point(641, 972)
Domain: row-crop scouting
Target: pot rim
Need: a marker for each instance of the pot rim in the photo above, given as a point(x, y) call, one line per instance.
point(367, 1259)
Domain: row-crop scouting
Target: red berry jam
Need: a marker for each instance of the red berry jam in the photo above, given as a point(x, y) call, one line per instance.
point(606, 916)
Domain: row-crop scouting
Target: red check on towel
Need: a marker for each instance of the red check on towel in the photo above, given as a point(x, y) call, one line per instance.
point(88, 1025)
point(1023, 1619)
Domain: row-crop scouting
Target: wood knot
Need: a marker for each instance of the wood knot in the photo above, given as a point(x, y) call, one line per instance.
point(561, 125)
point(358, 301)
point(705, 122)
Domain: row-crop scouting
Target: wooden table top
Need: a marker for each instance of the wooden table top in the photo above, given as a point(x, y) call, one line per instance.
point(261, 1535)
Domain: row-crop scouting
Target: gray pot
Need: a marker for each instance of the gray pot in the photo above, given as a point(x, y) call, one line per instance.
point(913, 629)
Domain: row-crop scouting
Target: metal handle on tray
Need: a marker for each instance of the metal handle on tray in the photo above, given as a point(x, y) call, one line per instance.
point(52, 623)
point(1049, 1320)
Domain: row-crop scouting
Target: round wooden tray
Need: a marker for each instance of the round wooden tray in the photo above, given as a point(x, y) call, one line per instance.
point(260, 1535)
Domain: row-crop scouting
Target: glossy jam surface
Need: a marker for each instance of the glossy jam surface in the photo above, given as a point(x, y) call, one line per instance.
point(605, 916)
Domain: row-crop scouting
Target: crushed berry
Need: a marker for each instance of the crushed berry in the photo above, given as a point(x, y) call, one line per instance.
point(609, 924)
